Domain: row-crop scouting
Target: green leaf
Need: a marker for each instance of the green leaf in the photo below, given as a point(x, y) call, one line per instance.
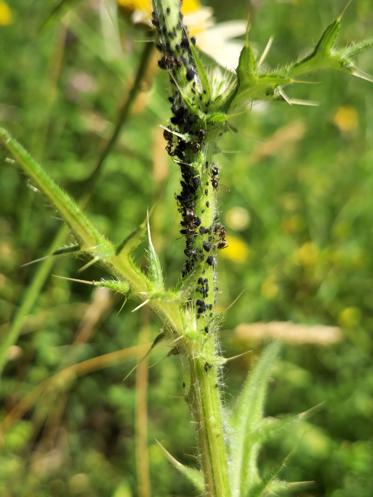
point(246, 419)
point(202, 74)
point(155, 269)
point(324, 47)
point(192, 474)
point(355, 49)
point(273, 487)
point(132, 241)
point(271, 427)
point(247, 67)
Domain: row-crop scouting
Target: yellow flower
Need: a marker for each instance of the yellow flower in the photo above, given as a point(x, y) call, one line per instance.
point(237, 250)
point(307, 255)
point(145, 7)
point(6, 16)
point(214, 39)
point(346, 118)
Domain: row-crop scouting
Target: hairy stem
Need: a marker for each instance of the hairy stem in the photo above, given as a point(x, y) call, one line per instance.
point(190, 141)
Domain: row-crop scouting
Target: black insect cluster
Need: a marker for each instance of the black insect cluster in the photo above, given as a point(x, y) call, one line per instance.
point(186, 137)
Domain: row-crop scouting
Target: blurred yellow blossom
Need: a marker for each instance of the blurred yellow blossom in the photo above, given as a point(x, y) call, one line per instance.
point(349, 317)
point(6, 16)
point(346, 118)
point(236, 251)
point(307, 254)
point(213, 39)
point(145, 7)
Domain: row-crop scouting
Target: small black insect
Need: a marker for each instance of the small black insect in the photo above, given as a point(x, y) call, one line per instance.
point(207, 246)
point(210, 260)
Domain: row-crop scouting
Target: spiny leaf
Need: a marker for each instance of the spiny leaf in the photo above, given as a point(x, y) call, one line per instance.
point(117, 286)
point(155, 268)
point(91, 240)
point(270, 427)
point(132, 241)
point(247, 67)
point(246, 419)
point(193, 475)
point(273, 487)
point(326, 43)
point(356, 48)
point(328, 39)
point(201, 73)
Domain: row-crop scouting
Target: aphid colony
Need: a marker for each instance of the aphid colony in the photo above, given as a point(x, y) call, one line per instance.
point(186, 141)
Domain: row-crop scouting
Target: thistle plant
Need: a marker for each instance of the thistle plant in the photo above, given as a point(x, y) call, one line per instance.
point(203, 101)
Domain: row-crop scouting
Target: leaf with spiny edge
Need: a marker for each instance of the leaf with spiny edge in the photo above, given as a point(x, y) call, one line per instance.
point(164, 295)
point(271, 427)
point(323, 50)
point(271, 485)
point(245, 420)
point(154, 264)
point(192, 474)
point(132, 241)
point(252, 85)
point(326, 56)
point(274, 487)
point(247, 65)
point(356, 48)
point(116, 286)
point(202, 74)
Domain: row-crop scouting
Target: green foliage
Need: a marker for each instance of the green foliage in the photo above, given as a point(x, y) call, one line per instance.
point(193, 475)
point(92, 241)
point(246, 420)
point(308, 201)
point(253, 84)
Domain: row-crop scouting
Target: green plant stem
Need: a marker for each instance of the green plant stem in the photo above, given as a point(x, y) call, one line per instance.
point(93, 242)
point(191, 139)
point(87, 187)
point(205, 401)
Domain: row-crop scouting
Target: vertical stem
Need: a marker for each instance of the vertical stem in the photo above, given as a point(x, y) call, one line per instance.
point(190, 140)
point(205, 400)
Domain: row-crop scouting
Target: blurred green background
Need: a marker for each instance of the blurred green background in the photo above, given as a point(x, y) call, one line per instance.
point(297, 201)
